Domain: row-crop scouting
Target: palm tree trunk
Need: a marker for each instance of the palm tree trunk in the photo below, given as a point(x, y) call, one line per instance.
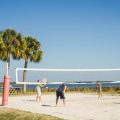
point(8, 64)
point(24, 76)
point(7, 69)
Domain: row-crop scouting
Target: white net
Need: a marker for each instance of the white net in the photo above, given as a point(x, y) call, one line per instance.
point(66, 75)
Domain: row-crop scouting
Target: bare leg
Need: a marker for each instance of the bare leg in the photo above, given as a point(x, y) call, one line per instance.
point(101, 94)
point(56, 101)
point(39, 98)
point(64, 102)
point(36, 98)
point(98, 94)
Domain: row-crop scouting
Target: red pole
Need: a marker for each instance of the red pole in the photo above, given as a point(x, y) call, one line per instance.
point(5, 90)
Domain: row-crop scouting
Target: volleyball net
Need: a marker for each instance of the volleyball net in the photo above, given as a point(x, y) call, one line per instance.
point(55, 76)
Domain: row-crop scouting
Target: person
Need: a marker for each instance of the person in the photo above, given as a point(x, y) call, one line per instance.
point(38, 88)
point(60, 92)
point(99, 87)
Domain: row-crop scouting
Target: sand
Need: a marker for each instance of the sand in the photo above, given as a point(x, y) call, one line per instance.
point(78, 106)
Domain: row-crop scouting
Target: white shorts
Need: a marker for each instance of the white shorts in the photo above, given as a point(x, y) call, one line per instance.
point(38, 94)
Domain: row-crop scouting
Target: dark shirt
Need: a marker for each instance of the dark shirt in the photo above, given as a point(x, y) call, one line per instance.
point(61, 88)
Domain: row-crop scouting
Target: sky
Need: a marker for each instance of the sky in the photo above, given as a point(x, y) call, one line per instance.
point(72, 33)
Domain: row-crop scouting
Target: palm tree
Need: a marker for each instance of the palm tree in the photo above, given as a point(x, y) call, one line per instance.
point(18, 47)
point(32, 52)
point(12, 43)
point(2, 48)
point(8, 37)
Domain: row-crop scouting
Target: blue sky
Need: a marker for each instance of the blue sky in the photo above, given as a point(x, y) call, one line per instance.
point(73, 33)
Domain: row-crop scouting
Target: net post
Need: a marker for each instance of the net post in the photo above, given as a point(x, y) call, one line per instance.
point(6, 86)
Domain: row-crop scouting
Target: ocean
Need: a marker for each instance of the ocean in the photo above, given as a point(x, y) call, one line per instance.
point(74, 85)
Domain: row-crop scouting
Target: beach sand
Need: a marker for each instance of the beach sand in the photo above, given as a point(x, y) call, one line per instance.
point(78, 106)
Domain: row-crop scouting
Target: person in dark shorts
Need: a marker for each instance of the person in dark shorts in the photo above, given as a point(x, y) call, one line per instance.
point(60, 93)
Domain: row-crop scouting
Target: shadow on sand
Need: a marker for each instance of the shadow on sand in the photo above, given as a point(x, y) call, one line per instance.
point(47, 105)
point(29, 100)
point(116, 103)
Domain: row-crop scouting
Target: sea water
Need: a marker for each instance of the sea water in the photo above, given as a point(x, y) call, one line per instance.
point(76, 85)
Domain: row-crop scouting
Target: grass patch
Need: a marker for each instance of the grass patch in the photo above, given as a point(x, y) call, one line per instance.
point(14, 114)
point(106, 90)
